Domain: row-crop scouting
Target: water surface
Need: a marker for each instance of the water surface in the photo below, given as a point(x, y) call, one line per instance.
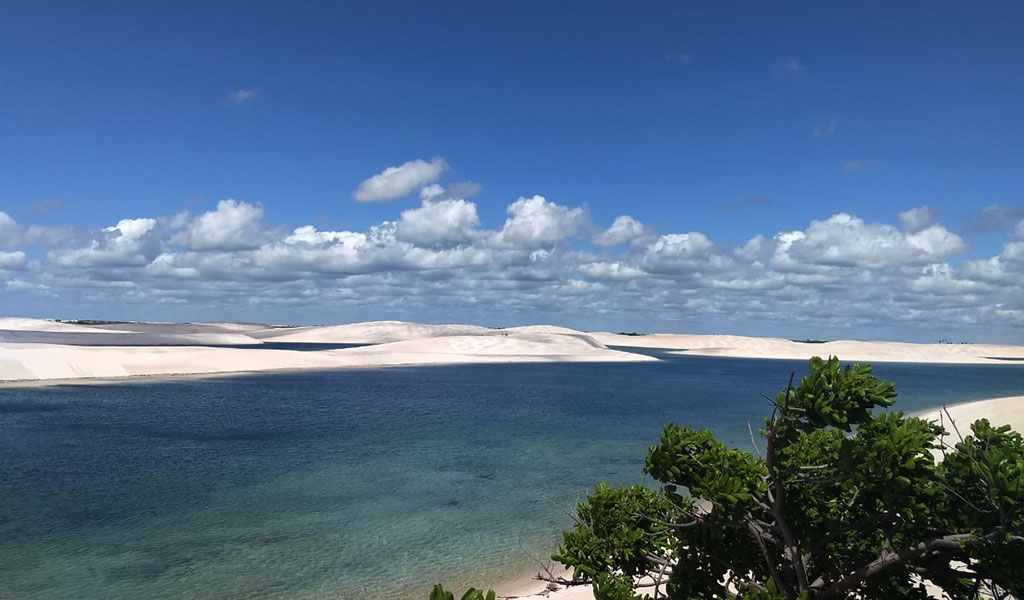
point(361, 483)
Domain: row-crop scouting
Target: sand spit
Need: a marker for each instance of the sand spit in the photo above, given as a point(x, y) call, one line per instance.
point(848, 350)
point(999, 411)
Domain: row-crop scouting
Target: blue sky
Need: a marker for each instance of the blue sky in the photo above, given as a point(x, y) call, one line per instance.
point(731, 120)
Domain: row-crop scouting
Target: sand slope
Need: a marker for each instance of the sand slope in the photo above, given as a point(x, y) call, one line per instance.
point(37, 331)
point(374, 332)
point(47, 351)
point(39, 350)
point(848, 350)
point(999, 411)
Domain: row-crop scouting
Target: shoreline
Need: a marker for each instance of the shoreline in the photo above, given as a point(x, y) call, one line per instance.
point(1005, 410)
point(159, 377)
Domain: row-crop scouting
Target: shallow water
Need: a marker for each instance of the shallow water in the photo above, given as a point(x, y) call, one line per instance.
point(369, 483)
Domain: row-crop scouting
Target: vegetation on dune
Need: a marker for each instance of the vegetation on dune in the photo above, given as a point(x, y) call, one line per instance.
point(837, 501)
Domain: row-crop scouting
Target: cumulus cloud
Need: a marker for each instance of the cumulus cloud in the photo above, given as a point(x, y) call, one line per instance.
point(10, 231)
point(624, 230)
point(12, 261)
point(441, 260)
point(232, 225)
point(396, 182)
point(1013, 251)
point(610, 270)
point(535, 222)
point(994, 218)
point(123, 245)
point(460, 190)
point(20, 286)
point(916, 219)
point(438, 221)
point(308, 234)
point(845, 240)
point(14, 235)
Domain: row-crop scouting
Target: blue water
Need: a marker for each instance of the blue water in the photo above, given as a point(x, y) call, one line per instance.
point(369, 484)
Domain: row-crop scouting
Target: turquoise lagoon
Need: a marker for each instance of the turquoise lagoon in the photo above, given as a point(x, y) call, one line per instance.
point(357, 484)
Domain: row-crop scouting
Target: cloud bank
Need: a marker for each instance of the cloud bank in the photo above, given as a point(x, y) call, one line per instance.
point(438, 261)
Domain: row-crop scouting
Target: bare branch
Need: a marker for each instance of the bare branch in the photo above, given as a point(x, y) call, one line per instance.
point(888, 560)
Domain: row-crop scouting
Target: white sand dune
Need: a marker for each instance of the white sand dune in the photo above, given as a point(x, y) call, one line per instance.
point(54, 352)
point(180, 328)
point(848, 350)
point(555, 346)
point(374, 332)
point(98, 338)
point(999, 411)
point(18, 324)
point(40, 350)
point(37, 331)
point(540, 329)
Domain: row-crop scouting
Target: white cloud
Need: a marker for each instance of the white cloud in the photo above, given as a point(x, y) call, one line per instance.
point(936, 241)
point(624, 229)
point(130, 230)
point(845, 240)
point(916, 219)
point(232, 226)
point(439, 261)
point(460, 190)
point(396, 182)
point(309, 234)
point(243, 96)
point(123, 245)
point(12, 261)
point(27, 287)
point(610, 270)
point(10, 231)
point(677, 252)
point(579, 287)
point(535, 222)
point(995, 218)
point(438, 221)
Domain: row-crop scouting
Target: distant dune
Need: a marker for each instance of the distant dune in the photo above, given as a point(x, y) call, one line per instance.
point(848, 350)
point(373, 332)
point(39, 350)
